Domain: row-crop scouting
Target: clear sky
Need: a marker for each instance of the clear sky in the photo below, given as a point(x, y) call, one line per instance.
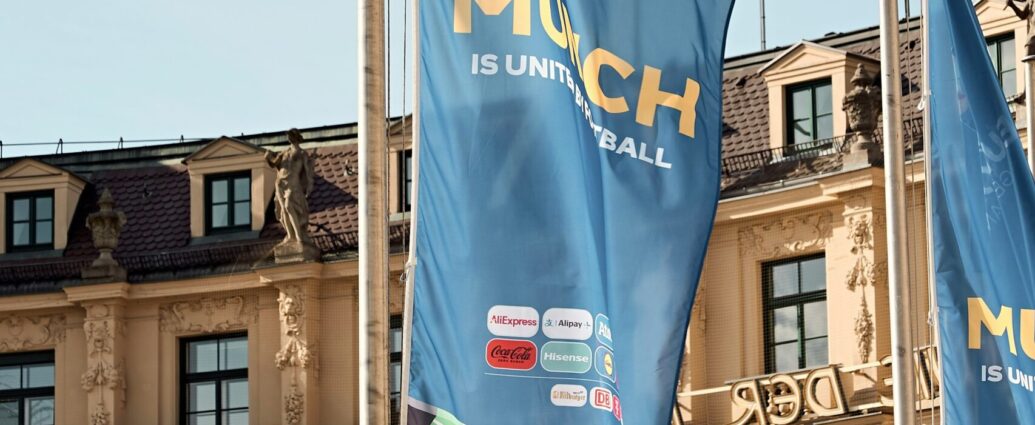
point(89, 70)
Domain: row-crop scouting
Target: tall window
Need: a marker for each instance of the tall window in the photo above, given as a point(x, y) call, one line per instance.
point(27, 389)
point(795, 314)
point(214, 380)
point(395, 343)
point(1001, 49)
point(30, 221)
point(810, 112)
point(405, 179)
point(228, 202)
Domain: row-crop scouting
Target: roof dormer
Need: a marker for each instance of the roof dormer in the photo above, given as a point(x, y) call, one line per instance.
point(807, 84)
point(230, 187)
point(37, 203)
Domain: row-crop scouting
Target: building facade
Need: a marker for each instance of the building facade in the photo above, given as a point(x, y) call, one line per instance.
point(187, 317)
point(791, 322)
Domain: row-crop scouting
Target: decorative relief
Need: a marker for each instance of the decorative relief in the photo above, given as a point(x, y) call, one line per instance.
point(294, 406)
point(102, 374)
point(296, 352)
point(208, 315)
point(98, 337)
point(100, 415)
point(864, 331)
point(20, 333)
point(789, 235)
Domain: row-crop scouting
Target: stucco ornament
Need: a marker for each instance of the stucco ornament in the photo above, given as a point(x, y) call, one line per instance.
point(106, 226)
point(208, 315)
point(863, 105)
point(296, 352)
point(100, 415)
point(295, 179)
point(1024, 10)
point(102, 374)
point(864, 331)
point(791, 235)
point(20, 333)
point(294, 406)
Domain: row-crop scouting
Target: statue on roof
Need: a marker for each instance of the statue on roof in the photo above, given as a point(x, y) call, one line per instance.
point(1023, 10)
point(295, 178)
point(106, 227)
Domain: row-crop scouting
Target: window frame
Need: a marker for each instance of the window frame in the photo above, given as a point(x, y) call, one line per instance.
point(395, 357)
point(33, 220)
point(405, 180)
point(24, 359)
point(789, 119)
point(231, 201)
point(798, 300)
point(219, 376)
point(997, 61)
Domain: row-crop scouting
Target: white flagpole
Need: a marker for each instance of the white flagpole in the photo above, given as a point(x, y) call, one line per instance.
point(932, 289)
point(898, 277)
point(411, 262)
point(374, 402)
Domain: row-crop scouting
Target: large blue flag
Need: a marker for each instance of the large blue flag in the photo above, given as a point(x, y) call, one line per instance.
point(983, 205)
point(568, 180)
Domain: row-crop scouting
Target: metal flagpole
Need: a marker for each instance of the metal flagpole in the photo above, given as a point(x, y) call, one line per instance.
point(1029, 106)
point(898, 277)
point(932, 290)
point(373, 218)
point(411, 262)
point(761, 24)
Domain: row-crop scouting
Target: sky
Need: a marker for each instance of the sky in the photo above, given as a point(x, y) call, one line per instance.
point(159, 69)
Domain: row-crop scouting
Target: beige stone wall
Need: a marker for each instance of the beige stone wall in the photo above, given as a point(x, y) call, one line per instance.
point(126, 339)
point(841, 216)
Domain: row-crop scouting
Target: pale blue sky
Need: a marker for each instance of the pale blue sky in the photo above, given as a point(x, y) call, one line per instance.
point(161, 68)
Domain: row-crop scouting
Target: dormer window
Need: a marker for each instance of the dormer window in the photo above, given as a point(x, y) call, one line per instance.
point(228, 202)
point(810, 112)
point(30, 221)
point(1003, 52)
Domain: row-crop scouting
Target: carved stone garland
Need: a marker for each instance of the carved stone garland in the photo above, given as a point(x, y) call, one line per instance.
point(208, 315)
point(297, 353)
point(22, 333)
point(790, 235)
point(864, 272)
point(104, 371)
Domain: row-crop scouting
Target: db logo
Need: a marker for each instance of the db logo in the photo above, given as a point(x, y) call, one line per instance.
point(511, 354)
point(617, 409)
point(602, 399)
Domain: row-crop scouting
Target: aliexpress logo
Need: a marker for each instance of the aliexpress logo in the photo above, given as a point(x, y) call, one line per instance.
point(511, 354)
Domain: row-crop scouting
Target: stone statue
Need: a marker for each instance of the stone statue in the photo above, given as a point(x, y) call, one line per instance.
point(863, 106)
point(1023, 10)
point(106, 226)
point(294, 184)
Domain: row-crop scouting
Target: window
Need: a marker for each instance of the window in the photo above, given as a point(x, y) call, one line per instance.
point(395, 346)
point(30, 221)
point(795, 314)
point(27, 389)
point(405, 179)
point(228, 205)
point(214, 381)
point(810, 112)
point(1001, 49)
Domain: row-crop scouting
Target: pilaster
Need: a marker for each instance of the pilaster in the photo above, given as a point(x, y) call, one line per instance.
point(104, 379)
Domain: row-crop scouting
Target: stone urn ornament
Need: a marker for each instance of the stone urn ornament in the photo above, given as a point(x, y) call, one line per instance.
point(862, 105)
point(106, 226)
point(295, 178)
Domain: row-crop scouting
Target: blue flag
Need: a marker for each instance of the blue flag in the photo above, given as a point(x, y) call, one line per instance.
point(983, 206)
point(568, 180)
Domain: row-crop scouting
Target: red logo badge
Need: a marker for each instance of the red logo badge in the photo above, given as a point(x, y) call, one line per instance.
point(602, 399)
point(511, 354)
point(617, 409)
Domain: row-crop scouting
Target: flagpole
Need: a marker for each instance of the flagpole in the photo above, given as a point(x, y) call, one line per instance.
point(932, 287)
point(411, 262)
point(898, 277)
point(373, 218)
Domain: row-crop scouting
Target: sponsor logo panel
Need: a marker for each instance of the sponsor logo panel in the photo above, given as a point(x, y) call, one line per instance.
point(617, 408)
point(601, 398)
point(603, 330)
point(564, 395)
point(567, 357)
point(513, 321)
point(605, 363)
point(511, 354)
point(568, 323)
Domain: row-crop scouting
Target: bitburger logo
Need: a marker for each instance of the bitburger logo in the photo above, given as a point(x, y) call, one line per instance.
point(511, 354)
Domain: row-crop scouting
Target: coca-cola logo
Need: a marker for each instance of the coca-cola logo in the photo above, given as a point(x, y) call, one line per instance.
point(511, 354)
